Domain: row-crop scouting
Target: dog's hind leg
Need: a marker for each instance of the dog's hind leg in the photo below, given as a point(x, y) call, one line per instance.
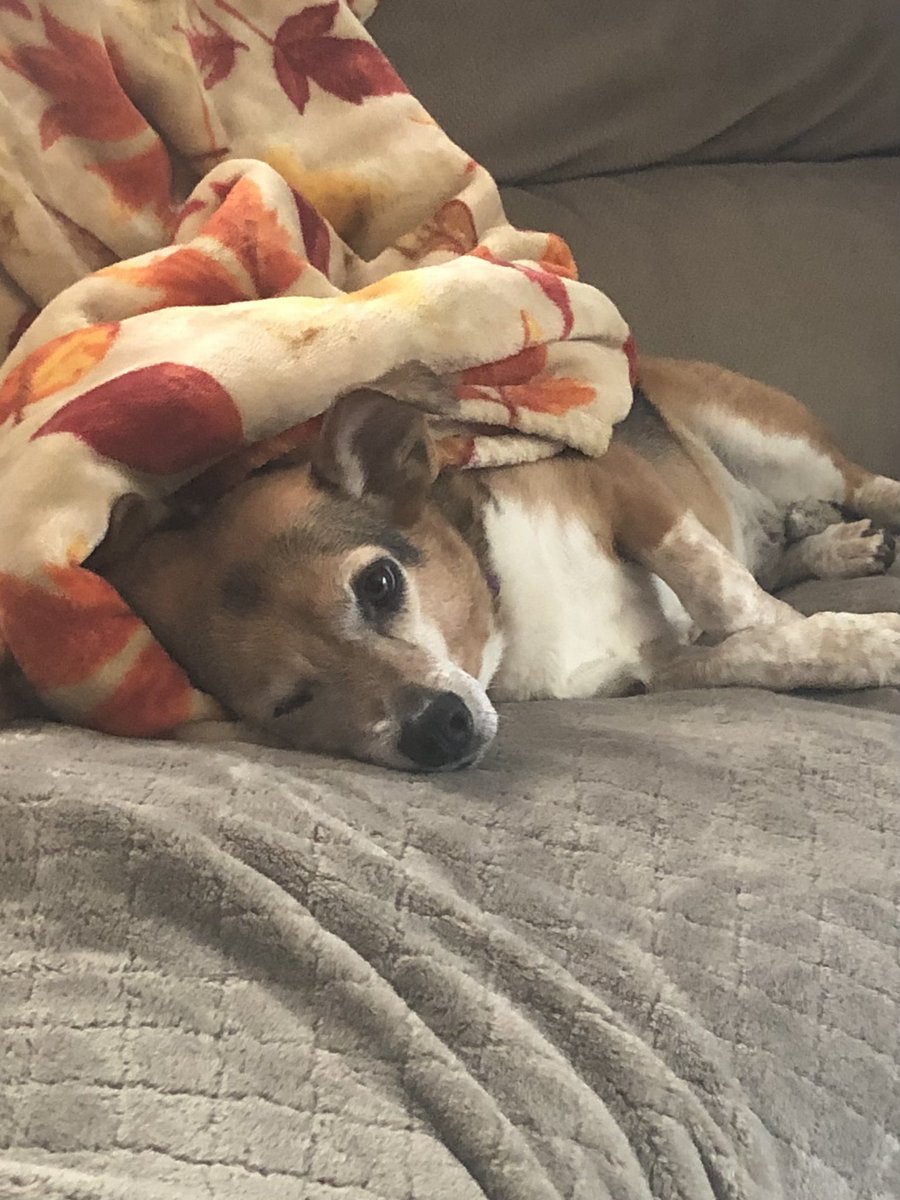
point(874, 496)
point(652, 525)
point(768, 439)
point(826, 650)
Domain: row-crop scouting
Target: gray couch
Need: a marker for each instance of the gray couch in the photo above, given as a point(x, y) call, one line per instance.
point(650, 947)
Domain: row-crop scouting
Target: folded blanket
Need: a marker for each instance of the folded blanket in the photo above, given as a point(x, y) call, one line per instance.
point(217, 218)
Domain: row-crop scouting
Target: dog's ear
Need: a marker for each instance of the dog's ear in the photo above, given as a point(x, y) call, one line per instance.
point(374, 444)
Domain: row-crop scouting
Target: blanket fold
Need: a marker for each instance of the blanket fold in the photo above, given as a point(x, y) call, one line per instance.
point(218, 219)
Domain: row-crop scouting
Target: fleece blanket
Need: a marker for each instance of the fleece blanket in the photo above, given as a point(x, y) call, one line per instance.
point(647, 951)
point(217, 217)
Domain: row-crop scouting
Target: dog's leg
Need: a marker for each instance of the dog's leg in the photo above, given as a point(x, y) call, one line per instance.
point(826, 650)
point(768, 439)
point(874, 496)
point(653, 526)
point(844, 551)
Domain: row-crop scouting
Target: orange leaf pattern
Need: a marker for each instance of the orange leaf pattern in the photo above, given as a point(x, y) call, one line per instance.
point(451, 229)
point(225, 312)
point(140, 181)
point(180, 275)
point(57, 364)
point(154, 698)
point(258, 239)
point(99, 622)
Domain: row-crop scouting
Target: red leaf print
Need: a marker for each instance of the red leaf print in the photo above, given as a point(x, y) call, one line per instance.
point(316, 238)
point(100, 111)
point(189, 208)
point(551, 285)
point(517, 368)
point(451, 228)
point(153, 698)
point(550, 395)
point(454, 228)
point(220, 189)
point(348, 68)
point(162, 419)
point(17, 7)
point(293, 80)
point(97, 622)
point(314, 21)
point(182, 276)
point(213, 48)
point(141, 181)
point(558, 258)
point(257, 238)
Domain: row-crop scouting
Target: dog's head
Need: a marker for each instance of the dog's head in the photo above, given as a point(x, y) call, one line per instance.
point(327, 602)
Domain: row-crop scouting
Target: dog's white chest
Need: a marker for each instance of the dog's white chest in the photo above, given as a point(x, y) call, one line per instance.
point(576, 622)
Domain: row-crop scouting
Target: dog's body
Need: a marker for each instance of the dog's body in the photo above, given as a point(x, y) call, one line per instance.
point(607, 566)
point(360, 604)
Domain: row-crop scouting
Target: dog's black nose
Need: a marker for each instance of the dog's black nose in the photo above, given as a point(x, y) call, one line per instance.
point(441, 735)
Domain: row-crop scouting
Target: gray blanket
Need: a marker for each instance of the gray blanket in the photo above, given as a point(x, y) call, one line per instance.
point(649, 949)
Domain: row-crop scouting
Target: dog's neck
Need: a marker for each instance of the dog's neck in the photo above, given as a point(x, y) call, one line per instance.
point(460, 497)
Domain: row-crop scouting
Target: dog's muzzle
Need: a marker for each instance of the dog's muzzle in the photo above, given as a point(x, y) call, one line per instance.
point(442, 733)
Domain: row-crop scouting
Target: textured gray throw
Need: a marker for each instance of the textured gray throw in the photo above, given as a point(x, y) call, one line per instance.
point(650, 949)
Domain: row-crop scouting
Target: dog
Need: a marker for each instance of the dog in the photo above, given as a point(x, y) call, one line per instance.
point(353, 600)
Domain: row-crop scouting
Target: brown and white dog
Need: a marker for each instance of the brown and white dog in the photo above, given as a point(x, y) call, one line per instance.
point(360, 604)
point(357, 603)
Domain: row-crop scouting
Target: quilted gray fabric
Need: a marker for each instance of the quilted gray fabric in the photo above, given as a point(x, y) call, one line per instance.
point(649, 949)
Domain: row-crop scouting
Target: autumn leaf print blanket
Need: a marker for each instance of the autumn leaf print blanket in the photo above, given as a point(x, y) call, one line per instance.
point(217, 215)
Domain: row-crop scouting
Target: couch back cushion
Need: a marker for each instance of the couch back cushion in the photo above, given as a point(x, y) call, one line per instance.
point(540, 90)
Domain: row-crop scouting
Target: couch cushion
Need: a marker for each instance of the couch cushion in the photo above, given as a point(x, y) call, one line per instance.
point(785, 272)
point(539, 90)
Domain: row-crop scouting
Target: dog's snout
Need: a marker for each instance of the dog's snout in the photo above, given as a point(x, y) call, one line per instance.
point(442, 734)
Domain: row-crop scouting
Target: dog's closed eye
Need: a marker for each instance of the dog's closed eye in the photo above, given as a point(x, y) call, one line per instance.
point(302, 694)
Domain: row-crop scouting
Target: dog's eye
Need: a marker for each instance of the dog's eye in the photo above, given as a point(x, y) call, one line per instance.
point(379, 588)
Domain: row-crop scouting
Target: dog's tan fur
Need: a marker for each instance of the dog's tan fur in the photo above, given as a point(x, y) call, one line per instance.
point(255, 598)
